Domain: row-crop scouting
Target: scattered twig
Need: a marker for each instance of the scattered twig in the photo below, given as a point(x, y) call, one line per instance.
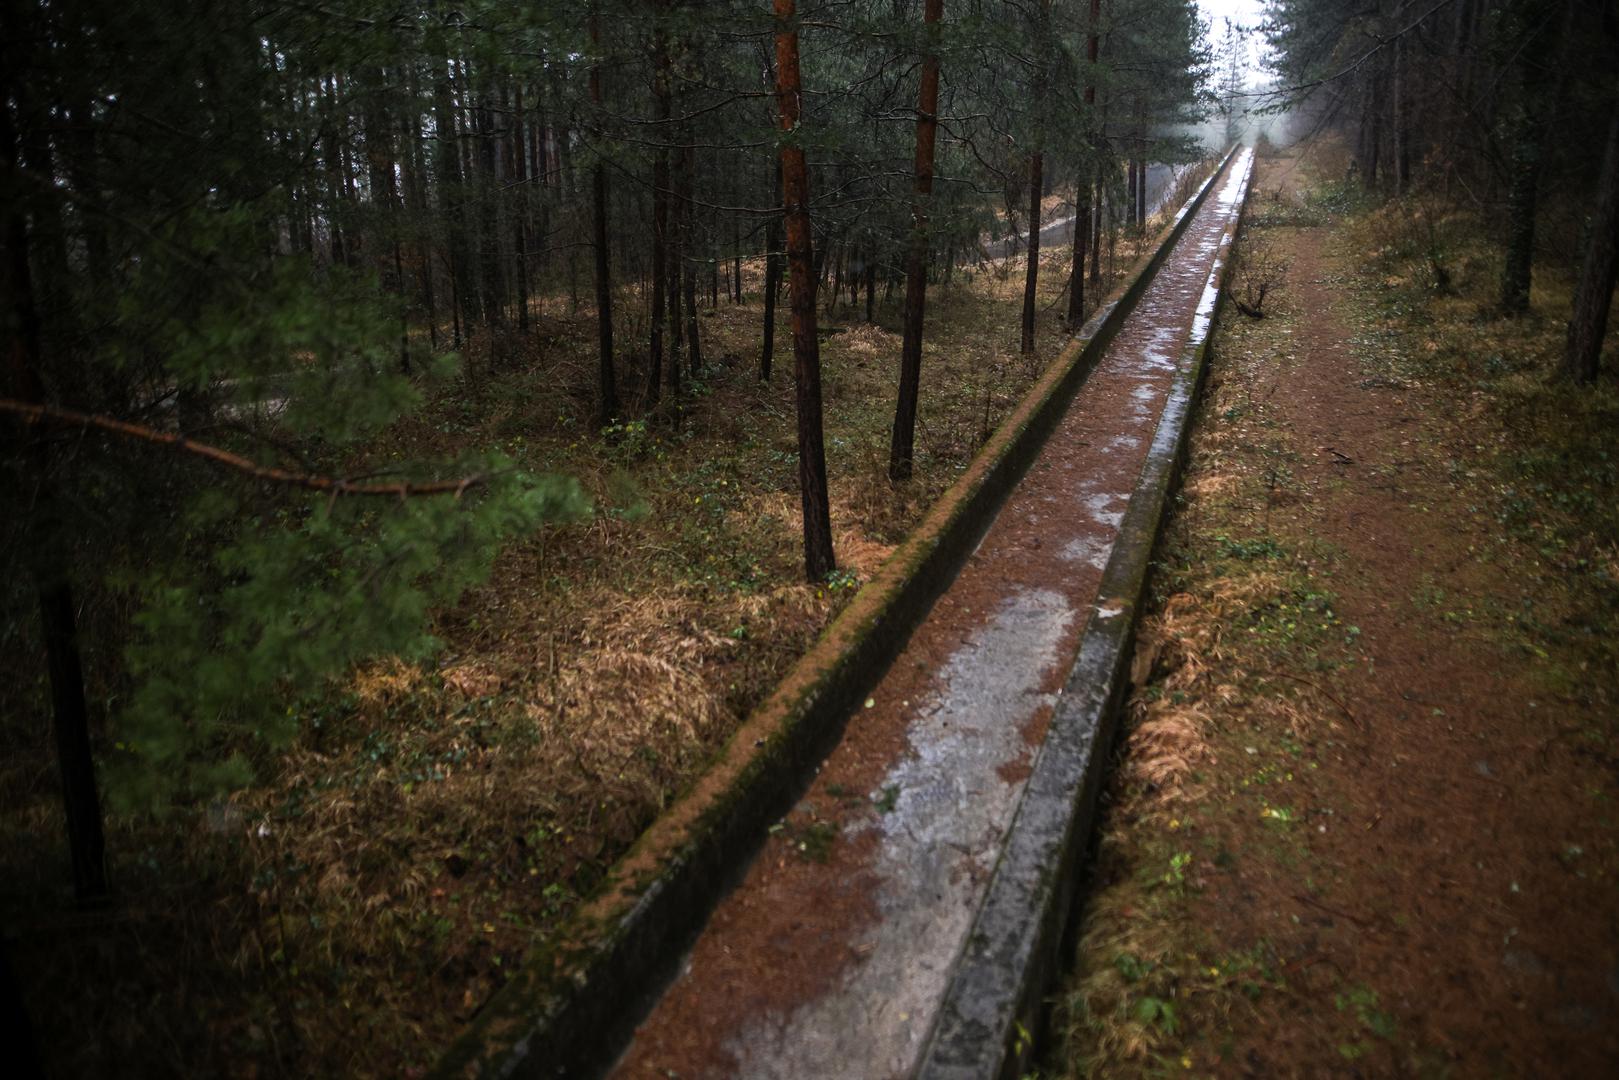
point(1306, 898)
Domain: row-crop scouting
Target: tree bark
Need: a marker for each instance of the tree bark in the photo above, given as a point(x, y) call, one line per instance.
point(1031, 276)
point(688, 244)
point(606, 385)
point(1594, 293)
point(463, 299)
point(1076, 274)
point(1530, 120)
point(521, 178)
point(1082, 207)
point(1130, 215)
point(489, 181)
point(69, 713)
point(903, 442)
point(818, 558)
point(767, 351)
point(660, 221)
point(674, 241)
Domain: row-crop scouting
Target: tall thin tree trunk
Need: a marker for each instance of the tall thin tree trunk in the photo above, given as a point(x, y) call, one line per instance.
point(606, 386)
point(818, 557)
point(521, 178)
point(69, 713)
point(451, 200)
point(1140, 193)
point(1096, 235)
point(1082, 208)
point(1076, 275)
point(1529, 134)
point(677, 239)
point(901, 449)
point(660, 220)
point(688, 243)
point(1130, 216)
point(1594, 293)
point(1402, 120)
point(1031, 275)
point(772, 283)
point(489, 179)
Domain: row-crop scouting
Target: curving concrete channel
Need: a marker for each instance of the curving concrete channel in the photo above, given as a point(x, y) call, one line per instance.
point(1160, 186)
point(902, 918)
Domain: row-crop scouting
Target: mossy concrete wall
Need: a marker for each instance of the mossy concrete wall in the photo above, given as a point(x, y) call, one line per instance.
point(998, 990)
point(573, 1004)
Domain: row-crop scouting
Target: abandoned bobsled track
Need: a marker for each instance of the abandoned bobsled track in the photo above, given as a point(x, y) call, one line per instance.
point(873, 877)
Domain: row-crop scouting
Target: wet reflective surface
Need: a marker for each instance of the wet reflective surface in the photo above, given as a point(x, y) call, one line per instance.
point(835, 967)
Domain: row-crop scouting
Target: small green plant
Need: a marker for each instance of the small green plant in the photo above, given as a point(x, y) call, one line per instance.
point(843, 579)
point(1363, 1002)
point(1176, 874)
point(887, 799)
point(1156, 1012)
point(812, 841)
point(1248, 550)
point(1132, 968)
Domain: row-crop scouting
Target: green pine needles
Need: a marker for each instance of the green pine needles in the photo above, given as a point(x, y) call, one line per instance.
point(293, 599)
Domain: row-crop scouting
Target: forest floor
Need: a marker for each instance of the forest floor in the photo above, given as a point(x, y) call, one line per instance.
point(349, 913)
point(1363, 820)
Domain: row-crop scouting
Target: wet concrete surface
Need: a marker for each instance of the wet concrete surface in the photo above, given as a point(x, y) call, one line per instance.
point(833, 955)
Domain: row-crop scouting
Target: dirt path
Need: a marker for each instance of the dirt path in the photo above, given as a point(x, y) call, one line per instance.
point(1362, 826)
point(832, 956)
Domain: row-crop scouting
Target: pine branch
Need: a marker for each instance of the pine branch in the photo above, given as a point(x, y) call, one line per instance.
point(331, 485)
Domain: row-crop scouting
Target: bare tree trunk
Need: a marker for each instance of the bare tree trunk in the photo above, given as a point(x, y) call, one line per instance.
point(1594, 293)
point(69, 713)
point(871, 290)
point(606, 386)
point(1082, 207)
point(818, 557)
point(1130, 215)
point(488, 236)
point(520, 172)
point(902, 445)
point(1529, 132)
point(451, 197)
point(694, 348)
point(676, 242)
point(1096, 237)
point(1031, 275)
point(772, 283)
point(660, 221)
point(1402, 121)
point(1076, 275)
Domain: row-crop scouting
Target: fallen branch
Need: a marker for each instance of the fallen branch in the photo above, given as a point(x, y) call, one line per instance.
point(332, 485)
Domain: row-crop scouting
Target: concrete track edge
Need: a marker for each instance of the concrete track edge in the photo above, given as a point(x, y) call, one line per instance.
point(996, 996)
point(572, 1005)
